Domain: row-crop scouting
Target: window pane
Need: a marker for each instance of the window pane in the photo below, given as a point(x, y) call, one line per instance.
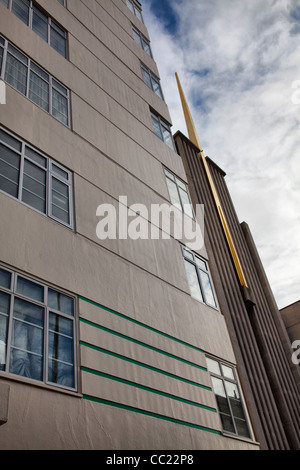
point(186, 203)
point(137, 37)
point(174, 196)
point(39, 91)
point(57, 41)
point(232, 390)
point(40, 23)
point(156, 87)
point(61, 351)
point(146, 47)
point(213, 366)
point(9, 140)
point(16, 73)
point(130, 6)
point(237, 409)
point(1, 57)
point(146, 77)
point(36, 157)
point(227, 371)
point(4, 313)
point(34, 186)
point(200, 263)
point(30, 289)
point(218, 387)
point(21, 9)
point(227, 423)
point(207, 289)
point(193, 280)
point(60, 172)
point(242, 428)
point(167, 136)
point(60, 302)
point(156, 127)
point(9, 171)
point(60, 200)
point(138, 14)
point(27, 340)
point(59, 107)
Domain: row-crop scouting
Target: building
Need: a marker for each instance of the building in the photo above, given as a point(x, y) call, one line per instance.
point(102, 345)
point(260, 339)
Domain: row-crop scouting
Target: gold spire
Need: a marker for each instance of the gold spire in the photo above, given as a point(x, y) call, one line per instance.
point(195, 139)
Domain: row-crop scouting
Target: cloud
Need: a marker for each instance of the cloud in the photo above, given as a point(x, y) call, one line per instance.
point(237, 62)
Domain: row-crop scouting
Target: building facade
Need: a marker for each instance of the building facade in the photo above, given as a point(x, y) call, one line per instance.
point(105, 343)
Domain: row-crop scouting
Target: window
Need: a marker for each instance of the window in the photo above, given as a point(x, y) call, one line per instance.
point(32, 81)
point(141, 41)
point(178, 192)
point(134, 9)
point(35, 179)
point(28, 12)
point(151, 80)
point(63, 2)
point(162, 130)
point(228, 398)
point(37, 331)
point(199, 278)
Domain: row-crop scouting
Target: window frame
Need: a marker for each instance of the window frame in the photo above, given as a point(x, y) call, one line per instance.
point(234, 381)
point(14, 294)
point(33, 5)
point(134, 9)
point(191, 257)
point(52, 84)
point(142, 41)
point(177, 181)
point(162, 125)
point(152, 78)
point(50, 174)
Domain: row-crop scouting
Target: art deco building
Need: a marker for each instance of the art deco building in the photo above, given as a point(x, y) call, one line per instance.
point(115, 343)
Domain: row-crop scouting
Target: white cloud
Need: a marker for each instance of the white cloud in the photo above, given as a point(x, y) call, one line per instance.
point(237, 62)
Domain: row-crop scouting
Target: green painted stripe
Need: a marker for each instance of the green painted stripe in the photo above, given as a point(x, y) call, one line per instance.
point(146, 366)
point(155, 330)
point(141, 343)
point(148, 389)
point(150, 413)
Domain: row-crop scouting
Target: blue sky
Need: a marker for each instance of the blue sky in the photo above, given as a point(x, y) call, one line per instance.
point(238, 62)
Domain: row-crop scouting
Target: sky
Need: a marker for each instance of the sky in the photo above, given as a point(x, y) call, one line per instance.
point(239, 65)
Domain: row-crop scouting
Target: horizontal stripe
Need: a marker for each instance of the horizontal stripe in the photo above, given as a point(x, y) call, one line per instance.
point(148, 389)
point(150, 413)
point(141, 343)
point(142, 364)
point(155, 330)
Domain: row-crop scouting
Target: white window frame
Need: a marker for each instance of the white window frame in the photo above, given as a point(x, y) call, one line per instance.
point(135, 9)
point(50, 174)
point(142, 40)
point(152, 79)
point(234, 381)
point(13, 293)
point(200, 264)
point(50, 20)
point(52, 81)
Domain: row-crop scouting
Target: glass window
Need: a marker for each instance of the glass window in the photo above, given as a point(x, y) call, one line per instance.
point(16, 69)
point(162, 130)
point(40, 85)
point(21, 9)
point(134, 9)
point(35, 180)
point(40, 23)
point(199, 280)
point(228, 398)
point(40, 334)
point(151, 80)
point(178, 193)
point(141, 40)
